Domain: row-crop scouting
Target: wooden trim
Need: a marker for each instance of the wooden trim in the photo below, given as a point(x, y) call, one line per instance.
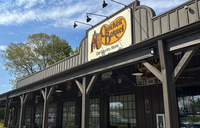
point(26, 98)
point(192, 69)
point(154, 70)
point(50, 92)
point(43, 94)
point(91, 84)
point(188, 84)
point(183, 63)
point(166, 98)
point(80, 86)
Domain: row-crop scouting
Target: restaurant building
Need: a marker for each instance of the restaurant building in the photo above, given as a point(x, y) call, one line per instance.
point(133, 70)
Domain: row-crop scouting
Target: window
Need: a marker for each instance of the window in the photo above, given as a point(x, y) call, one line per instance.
point(122, 111)
point(189, 111)
point(38, 116)
point(69, 110)
point(52, 115)
point(189, 106)
point(94, 113)
point(27, 120)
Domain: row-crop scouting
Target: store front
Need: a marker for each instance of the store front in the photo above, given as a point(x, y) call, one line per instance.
point(133, 70)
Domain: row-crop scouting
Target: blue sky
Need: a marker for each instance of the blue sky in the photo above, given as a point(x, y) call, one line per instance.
point(20, 18)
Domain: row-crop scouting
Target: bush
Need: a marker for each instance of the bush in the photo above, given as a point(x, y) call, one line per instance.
point(2, 112)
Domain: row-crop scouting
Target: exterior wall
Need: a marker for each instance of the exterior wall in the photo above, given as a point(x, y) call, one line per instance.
point(149, 25)
point(154, 94)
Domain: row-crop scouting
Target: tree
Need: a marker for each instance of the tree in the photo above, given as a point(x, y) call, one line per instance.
point(57, 49)
point(40, 50)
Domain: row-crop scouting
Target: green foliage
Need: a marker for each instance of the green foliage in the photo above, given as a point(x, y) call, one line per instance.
point(1, 124)
point(2, 111)
point(40, 51)
point(122, 126)
point(57, 49)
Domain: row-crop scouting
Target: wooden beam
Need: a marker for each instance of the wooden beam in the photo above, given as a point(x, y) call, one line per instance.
point(6, 115)
point(50, 92)
point(183, 63)
point(80, 86)
point(169, 94)
point(188, 84)
point(85, 106)
point(91, 84)
point(154, 70)
point(21, 121)
point(46, 109)
point(10, 101)
point(26, 98)
point(192, 69)
point(164, 83)
point(43, 94)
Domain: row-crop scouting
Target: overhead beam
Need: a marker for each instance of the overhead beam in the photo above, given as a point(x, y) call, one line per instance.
point(91, 84)
point(183, 63)
point(154, 70)
point(192, 69)
point(80, 86)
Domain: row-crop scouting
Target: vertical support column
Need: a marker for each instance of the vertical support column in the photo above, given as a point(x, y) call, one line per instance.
point(46, 109)
point(85, 106)
point(6, 116)
point(23, 99)
point(46, 96)
point(169, 94)
point(85, 90)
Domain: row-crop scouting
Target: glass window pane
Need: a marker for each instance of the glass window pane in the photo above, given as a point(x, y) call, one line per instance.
point(69, 114)
point(130, 105)
point(94, 113)
point(122, 110)
point(121, 98)
point(125, 98)
point(130, 97)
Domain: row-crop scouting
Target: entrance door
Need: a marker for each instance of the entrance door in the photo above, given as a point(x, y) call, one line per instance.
point(149, 102)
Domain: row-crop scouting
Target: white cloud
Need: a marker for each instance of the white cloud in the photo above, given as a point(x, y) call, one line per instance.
point(2, 47)
point(4, 85)
point(62, 13)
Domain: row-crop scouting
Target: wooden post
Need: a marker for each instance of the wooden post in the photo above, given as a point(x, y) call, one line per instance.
point(46, 108)
point(85, 90)
point(24, 99)
point(85, 106)
point(6, 116)
point(46, 96)
point(169, 95)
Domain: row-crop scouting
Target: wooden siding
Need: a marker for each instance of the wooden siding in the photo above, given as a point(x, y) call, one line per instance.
point(58, 67)
point(145, 25)
point(151, 25)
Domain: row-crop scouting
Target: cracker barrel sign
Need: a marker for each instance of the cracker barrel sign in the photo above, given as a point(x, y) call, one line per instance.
point(110, 36)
